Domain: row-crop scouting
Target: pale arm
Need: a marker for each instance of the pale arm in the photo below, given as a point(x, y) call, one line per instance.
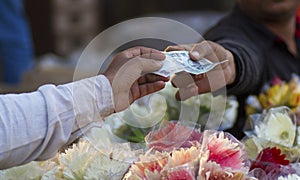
point(34, 126)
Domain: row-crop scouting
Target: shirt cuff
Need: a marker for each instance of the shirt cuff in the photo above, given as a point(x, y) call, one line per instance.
point(93, 100)
point(105, 96)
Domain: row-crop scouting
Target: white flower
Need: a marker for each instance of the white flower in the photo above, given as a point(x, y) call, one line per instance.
point(76, 161)
point(183, 156)
point(105, 168)
point(97, 158)
point(146, 112)
point(33, 170)
point(277, 127)
point(298, 135)
point(290, 177)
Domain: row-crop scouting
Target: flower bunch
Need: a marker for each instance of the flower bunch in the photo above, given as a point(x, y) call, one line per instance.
point(273, 128)
point(273, 165)
point(164, 165)
point(172, 135)
point(207, 155)
point(275, 133)
point(176, 151)
point(277, 93)
point(272, 143)
point(224, 157)
point(90, 158)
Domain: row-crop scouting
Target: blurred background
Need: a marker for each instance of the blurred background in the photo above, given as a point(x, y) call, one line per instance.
point(60, 29)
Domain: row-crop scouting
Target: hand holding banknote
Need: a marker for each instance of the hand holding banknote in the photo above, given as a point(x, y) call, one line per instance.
point(191, 84)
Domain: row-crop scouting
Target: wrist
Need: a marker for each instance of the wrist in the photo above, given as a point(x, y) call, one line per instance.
point(108, 77)
point(104, 95)
point(232, 70)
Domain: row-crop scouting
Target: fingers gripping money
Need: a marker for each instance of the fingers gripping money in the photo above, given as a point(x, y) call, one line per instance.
point(180, 61)
point(198, 68)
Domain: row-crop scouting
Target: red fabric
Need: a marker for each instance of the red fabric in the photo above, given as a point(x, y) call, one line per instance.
point(297, 32)
point(298, 12)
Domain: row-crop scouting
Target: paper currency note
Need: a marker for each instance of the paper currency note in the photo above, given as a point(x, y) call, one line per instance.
point(178, 61)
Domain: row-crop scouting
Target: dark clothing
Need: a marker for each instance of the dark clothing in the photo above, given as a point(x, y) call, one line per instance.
point(259, 56)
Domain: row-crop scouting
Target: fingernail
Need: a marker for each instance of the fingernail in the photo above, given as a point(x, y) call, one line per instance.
point(159, 64)
point(195, 54)
point(162, 56)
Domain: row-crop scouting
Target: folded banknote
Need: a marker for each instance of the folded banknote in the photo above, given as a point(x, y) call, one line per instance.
point(178, 61)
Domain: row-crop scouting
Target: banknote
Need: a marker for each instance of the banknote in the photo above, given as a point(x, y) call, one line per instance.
point(178, 61)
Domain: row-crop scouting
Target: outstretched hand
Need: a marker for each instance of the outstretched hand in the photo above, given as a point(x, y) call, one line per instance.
point(129, 75)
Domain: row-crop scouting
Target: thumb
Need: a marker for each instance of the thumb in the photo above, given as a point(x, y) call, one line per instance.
point(195, 55)
point(201, 50)
point(149, 65)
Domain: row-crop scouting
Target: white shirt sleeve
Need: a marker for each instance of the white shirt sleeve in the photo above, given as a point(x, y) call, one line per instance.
point(34, 126)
